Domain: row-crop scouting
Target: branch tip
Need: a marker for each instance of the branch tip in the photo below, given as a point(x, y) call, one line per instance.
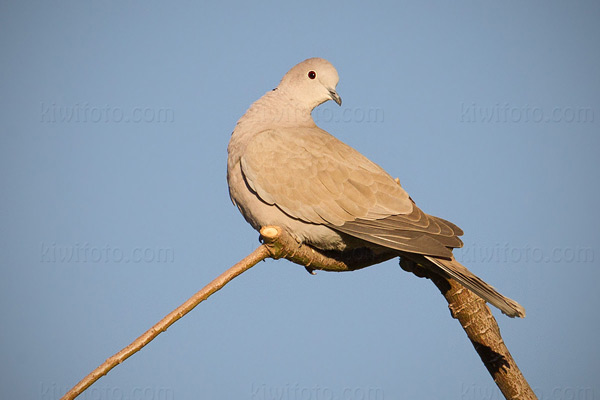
point(270, 233)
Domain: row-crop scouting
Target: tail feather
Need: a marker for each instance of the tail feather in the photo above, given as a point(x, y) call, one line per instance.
point(462, 275)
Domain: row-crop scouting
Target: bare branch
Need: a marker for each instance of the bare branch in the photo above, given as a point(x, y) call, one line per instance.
point(282, 245)
point(257, 255)
point(482, 329)
point(470, 310)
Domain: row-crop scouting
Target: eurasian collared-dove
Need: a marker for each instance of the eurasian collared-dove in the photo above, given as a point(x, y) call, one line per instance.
point(283, 170)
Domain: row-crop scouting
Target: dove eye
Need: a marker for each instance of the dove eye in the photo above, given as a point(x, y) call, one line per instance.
point(312, 74)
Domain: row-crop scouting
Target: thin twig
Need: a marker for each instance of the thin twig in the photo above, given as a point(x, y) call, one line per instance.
point(257, 255)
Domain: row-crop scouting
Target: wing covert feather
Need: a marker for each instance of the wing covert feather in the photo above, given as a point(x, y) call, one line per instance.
point(312, 176)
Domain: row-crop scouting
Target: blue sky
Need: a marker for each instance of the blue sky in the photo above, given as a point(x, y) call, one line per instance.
point(115, 118)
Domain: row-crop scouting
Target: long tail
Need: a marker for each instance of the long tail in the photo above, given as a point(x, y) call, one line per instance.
point(458, 272)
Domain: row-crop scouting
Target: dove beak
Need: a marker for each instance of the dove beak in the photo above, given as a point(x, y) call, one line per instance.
point(335, 97)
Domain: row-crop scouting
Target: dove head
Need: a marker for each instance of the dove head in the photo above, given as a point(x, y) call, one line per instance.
point(310, 83)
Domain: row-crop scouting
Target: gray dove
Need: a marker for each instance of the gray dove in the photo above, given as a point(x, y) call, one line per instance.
point(283, 170)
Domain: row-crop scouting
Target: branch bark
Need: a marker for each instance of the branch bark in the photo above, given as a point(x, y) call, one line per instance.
point(471, 311)
point(481, 327)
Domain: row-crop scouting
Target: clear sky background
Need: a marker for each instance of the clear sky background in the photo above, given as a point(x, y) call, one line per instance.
point(114, 123)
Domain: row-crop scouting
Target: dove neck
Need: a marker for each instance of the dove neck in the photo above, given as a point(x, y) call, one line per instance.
point(276, 109)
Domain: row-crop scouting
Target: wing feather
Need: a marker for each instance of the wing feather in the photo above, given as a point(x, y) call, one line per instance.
point(312, 176)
